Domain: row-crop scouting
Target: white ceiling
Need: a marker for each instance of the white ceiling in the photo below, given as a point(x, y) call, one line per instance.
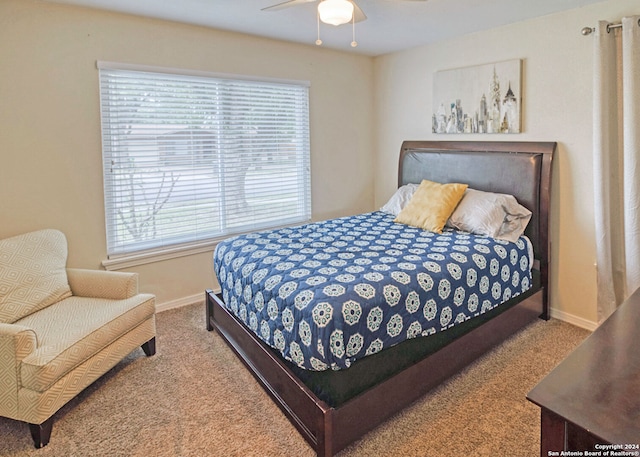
point(392, 25)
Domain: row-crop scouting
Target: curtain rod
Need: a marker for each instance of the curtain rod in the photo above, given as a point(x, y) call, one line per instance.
point(589, 30)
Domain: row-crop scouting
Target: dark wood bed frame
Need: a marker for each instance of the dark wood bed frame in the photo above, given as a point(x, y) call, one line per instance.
point(329, 430)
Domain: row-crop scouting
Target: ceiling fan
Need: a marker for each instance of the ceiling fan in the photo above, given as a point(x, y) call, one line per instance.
point(356, 11)
point(334, 12)
point(358, 14)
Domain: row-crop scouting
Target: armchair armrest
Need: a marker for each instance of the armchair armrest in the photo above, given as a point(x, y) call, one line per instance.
point(102, 284)
point(16, 343)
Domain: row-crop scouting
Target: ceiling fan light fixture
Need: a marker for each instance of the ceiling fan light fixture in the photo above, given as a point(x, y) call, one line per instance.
point(335, 12)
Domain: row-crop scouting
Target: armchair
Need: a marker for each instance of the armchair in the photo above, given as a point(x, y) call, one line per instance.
point(61, 329)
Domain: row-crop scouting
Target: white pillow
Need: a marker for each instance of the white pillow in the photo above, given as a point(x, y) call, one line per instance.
point(399, 199)
point(486, 213)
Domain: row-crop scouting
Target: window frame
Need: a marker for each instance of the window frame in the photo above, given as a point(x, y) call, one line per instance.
point(119, 260)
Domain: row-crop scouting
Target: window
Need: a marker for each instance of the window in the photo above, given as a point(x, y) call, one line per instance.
point(190, 158)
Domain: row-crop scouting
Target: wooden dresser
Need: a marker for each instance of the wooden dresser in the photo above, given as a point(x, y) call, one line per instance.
point(592, 398)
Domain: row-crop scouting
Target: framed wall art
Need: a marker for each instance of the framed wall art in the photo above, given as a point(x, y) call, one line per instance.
point(478, 99)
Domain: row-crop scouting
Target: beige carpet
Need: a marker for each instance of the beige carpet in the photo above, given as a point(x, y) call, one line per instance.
point(194, 398)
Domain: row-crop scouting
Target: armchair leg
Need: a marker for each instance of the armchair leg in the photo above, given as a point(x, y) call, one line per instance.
point(149, 347)
point(41, 433)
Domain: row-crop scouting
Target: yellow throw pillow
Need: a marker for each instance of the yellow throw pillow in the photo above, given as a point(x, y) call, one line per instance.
point(431, 205)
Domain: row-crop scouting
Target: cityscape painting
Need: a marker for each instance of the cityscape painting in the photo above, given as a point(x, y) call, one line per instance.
point(478, 99)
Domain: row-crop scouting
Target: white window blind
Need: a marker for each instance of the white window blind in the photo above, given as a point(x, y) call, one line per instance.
point(190, 157)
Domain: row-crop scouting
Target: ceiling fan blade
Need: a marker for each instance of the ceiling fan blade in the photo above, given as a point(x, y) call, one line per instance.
point(358, 13)
point(287, 4)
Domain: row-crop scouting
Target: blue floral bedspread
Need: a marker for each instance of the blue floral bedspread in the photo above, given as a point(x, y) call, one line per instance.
point(328, 293)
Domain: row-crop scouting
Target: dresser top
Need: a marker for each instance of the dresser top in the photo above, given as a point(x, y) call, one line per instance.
point(597, 387)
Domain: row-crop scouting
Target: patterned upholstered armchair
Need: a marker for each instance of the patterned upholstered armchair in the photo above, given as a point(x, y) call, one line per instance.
point(61, 329)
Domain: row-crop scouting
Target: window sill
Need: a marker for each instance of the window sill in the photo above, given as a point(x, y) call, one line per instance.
point(157, 255)
point(123, 261)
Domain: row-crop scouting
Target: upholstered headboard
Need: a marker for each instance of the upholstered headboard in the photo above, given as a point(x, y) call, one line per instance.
point(522, 169)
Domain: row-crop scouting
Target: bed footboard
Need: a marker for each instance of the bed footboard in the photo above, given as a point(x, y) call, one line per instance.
point(329, 430)
point(311, 416)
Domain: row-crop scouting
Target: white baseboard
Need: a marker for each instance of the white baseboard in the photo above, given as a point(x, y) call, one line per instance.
point(179, 302)
point(184, 301)
point(555, 314)
point(574, 320)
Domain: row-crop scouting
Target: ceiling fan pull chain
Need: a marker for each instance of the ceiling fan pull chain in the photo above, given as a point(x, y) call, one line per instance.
point(354, 43)
point(318, 41)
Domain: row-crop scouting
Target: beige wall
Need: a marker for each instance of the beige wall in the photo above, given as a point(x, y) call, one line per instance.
point(50, 147)
point(361, 111)
point(557, 106)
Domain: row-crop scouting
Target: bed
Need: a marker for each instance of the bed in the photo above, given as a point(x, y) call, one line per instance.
point(334, 401)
